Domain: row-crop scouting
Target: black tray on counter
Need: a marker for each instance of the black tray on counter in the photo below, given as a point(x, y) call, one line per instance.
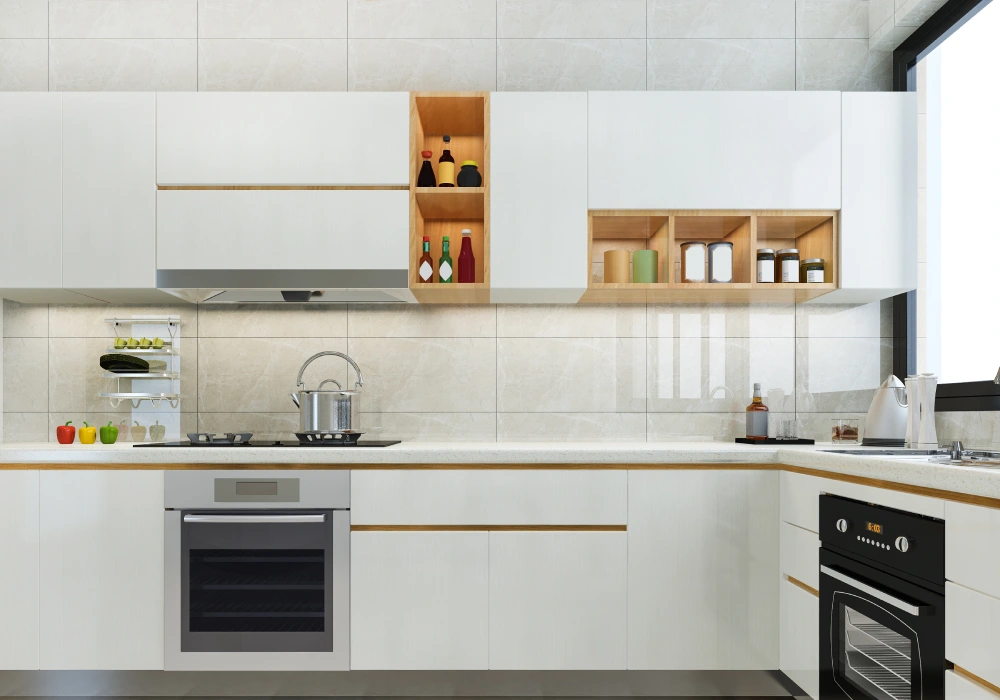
point(776, 441)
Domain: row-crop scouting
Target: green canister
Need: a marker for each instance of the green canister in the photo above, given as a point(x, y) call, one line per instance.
point(645, 264)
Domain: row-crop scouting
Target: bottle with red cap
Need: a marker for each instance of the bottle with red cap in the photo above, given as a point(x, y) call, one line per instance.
point(426, 176)
point(425, 268)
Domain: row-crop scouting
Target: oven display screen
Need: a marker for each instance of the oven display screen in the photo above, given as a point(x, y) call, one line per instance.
point(874, 527)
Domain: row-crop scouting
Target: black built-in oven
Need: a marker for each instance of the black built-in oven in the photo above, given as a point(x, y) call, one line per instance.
point(881, 603)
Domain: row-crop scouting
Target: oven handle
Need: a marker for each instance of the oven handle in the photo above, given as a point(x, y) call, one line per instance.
point(876, 593)
point(265, 519)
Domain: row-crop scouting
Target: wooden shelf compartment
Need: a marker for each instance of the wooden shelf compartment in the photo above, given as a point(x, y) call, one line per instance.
point(813, 233)
point(708, 227)
point(631, 231)
point(450, 202)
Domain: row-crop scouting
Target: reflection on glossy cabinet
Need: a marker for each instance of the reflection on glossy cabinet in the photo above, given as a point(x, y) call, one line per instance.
point(19, 572)
point(419, 600)
point(557, 600)
point(101, 570)
point(800, 637)
point(703, 555)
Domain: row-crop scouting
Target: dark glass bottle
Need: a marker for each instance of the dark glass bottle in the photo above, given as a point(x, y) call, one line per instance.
point(445, 271)
point(426, 176)
point(425, 268)
point(466, 258)
point(446, 166)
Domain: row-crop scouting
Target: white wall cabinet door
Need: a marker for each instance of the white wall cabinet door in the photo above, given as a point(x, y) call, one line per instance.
point(714, 150)
point(703, 562)
point(291, 138)
point(538, 197)
point(19, 572)
point(109, 195)
point(101, 570)
point(878, 221)
point(558, 600)
point(419, 600)
point(800, 637)
point(30, 190)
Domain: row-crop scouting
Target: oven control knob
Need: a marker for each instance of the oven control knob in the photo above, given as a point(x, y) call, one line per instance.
point(843, 525)
point(902, 544)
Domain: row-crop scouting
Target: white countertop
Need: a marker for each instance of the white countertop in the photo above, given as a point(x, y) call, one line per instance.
point(912, 471)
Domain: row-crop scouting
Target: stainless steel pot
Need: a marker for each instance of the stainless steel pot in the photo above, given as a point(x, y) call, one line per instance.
point(323, 411)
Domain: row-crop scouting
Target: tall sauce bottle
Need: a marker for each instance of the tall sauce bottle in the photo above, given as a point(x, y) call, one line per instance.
point(425, 268)
point(445, 272)
point(446, 166)
point(466, 258)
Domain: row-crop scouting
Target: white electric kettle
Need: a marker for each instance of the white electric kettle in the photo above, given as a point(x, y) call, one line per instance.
point(885, 425)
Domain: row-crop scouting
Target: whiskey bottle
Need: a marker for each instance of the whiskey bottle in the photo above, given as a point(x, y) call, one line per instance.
point(757, 417)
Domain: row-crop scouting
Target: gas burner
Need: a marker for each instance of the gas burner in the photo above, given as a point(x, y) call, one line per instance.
point(217, 439)
point(328, 438)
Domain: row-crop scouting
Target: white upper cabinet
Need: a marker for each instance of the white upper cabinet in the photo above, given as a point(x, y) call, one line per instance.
point(261, 138)
point(713, 150)
point(878, 222)
point(538, 197)
point(30, 190)
point(109, 195)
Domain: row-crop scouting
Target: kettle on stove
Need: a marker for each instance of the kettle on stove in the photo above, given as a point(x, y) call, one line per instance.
point(885, 425)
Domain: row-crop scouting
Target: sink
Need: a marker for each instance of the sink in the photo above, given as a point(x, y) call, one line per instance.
point(885, 453)
point(981, 460)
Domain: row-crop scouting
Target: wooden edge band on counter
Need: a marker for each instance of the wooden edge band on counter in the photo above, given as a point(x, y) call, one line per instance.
point(976, 679)
point(489, 528)
point(285, 187)
point(804, 586)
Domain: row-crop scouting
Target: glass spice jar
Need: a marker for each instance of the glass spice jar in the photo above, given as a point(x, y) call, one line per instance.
point(812, 270)
point(765, 265)
point(469, 175)
point(788, 264)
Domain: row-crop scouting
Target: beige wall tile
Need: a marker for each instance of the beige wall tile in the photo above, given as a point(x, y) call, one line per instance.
point(720, 321)
point(123, 19)
point(721, 64)
point(71, 321)
point(24, 19)
point(831, 19)
point(75, 377)
point(24, 65)
point(434, 321)
point(571, 19)
point(575, 427)
point(570, 64)
point(978, 430)
point(26, 427)
point(422, 64)
point(445, 427)
point(25, 320)
point(264, 426)
point(841, 321)
point(721, 19)
point(913, 13)
point(123, 64)
point(25, 375)
point(571, 375)
point(562, 321)
point(256, 375)
point(695, 427)
point(272, 64)
point(841, 64)
point(272, 321)
point(422, 19)
point(272, 19)
point(433, 375)
point(878, 12)
point(840, 374)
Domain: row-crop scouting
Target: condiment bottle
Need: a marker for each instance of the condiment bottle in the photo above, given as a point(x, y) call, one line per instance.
point(425, 268)
point(466, 258)
point(757, 417)
point(444, 264)
point(446, 166)
point(426, 176)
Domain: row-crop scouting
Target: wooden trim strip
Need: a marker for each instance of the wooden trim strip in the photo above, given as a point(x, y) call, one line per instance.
point(489, 528)
point(804, 586)
point(286, 187)
point(976, 679)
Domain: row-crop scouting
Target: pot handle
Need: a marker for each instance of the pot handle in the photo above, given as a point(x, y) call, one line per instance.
point(360, 382)
point(327, 381)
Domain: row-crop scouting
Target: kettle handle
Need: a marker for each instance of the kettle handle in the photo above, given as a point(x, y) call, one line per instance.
point(360, 382)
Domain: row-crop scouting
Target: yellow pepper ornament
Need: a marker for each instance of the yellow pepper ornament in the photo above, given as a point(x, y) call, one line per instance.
point(88, 434)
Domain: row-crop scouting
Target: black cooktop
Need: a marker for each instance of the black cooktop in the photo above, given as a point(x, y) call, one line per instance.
point(269, 443)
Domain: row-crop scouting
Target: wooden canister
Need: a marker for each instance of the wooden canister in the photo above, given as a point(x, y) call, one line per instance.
point(616, 264)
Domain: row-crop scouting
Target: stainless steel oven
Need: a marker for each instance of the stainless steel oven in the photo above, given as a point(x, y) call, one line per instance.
point(257, 570)
point(881, 603)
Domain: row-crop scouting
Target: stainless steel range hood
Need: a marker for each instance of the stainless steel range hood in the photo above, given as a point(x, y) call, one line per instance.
point(287, 286)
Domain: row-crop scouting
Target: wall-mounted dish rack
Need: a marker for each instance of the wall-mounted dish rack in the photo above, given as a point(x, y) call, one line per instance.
point(172, 397)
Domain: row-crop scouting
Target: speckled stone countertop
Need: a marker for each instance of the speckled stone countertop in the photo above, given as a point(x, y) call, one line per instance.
point(916, 471)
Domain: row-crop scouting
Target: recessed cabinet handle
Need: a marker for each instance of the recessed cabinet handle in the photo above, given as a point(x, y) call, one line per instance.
point(264, 519)
point(876, 593)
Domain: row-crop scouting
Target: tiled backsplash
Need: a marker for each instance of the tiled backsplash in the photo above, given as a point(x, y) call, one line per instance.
point(507, 373)
point(439, 45)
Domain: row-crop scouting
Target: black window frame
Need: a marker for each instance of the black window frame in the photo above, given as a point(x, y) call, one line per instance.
point(956, 396)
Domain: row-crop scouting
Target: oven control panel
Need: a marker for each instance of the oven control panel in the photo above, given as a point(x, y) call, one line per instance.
point(904, 541)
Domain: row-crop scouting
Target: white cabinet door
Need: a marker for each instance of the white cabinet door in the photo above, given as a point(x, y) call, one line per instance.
point(972, 631)
point(19, 572)
point(558, 600)
point(703, 561)
point(291, 138)
point(109, 195)
point(970, 532)
point(419, 600)
point(960, 687)
point(101, 570)
point(30, 190)
point(283, 230)
point(878, 221)
point(538, 197)
point(800, 554)
point(714, 150)
point(800, 637)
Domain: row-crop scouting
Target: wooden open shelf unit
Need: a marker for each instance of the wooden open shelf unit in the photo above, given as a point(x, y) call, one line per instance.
point(444, 211)
point(814, 233)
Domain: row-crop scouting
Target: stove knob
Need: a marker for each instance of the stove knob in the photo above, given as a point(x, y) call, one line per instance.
point(902, 544)
point(843, 525)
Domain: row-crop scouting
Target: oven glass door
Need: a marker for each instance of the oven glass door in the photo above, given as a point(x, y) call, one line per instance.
point(256, 581)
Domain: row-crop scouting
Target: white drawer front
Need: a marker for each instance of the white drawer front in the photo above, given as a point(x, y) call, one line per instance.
point(972, 631)
point(958, 687)
point(971, 533)
point(800, 637)
point(800, 554)
point(488, 497)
